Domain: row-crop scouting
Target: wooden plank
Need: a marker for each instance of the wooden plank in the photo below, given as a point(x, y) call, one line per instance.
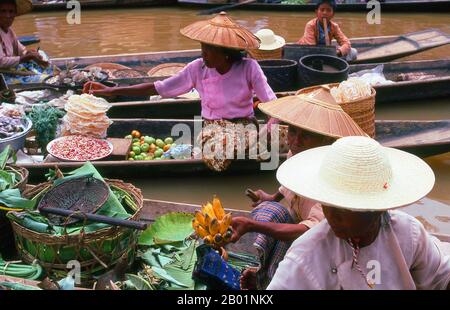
point(121, 147)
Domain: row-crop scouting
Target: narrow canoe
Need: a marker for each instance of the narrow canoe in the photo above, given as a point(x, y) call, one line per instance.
point(386, 6)
point(435, 84)
point(423, 138)
point(102, 4)
point(387, 48)
point(28, 40)
point(425, 210)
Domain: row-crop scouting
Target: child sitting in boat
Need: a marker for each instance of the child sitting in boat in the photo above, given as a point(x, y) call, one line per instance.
point(319, 33)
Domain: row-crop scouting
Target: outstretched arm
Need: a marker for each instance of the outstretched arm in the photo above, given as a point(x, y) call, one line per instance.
point(279, 231)
point(98, 89)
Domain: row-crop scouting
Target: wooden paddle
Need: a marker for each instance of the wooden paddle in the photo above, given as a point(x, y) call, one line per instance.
point(224, 7)
point(325, 27)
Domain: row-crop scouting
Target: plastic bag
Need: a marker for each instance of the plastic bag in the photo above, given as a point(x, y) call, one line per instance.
point(373, 76)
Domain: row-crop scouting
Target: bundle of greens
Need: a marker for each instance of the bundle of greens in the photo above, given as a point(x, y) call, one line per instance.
point(10, 197)
point(45, 122)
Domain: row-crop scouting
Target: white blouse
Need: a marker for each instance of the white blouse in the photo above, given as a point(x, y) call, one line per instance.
point(403, 256)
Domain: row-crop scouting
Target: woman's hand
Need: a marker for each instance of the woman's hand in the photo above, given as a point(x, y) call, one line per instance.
point(34, 56)
point(240, 225)
point(97, 89)
point(262, 196)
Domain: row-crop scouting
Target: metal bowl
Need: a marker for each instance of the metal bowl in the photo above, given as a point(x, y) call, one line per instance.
point(50, 144)
point(17, 142)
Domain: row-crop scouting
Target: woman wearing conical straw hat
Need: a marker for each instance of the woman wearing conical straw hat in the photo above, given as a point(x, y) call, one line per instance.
point(363, 243)
point(224, 79)
point(314, 120)
point(12, 52)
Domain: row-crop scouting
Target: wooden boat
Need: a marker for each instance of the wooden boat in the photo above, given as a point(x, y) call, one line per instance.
point(423, 138)
point(28, 40)
point(386, 6)
point(102, 4)
point(428, 79)
point(425, 210)
point(383, 45)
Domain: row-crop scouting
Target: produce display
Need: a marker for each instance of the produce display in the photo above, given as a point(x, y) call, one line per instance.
point(12, 121)
point(150, 148)
point(212, 224)
point(86, 115)
point(45, 122)
point(76, 78)
point(79, 148)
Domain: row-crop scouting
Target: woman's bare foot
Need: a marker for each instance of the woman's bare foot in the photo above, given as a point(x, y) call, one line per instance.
point(248, 279)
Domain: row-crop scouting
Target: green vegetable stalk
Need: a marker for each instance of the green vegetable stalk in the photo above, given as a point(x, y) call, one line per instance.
point(45, 122)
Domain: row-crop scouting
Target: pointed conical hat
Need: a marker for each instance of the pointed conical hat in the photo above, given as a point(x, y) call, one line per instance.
point(23, 6)
point(313, 114)
point(221, 31)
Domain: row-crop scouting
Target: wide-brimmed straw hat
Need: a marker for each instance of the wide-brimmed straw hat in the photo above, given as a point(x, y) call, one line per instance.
point(23, 6)
point(317, 113)
point(221, 31)
point(358, 174)
point(269, 40)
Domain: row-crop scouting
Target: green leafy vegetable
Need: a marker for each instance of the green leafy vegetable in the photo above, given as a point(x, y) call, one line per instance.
point(45, 121)
point(169, 228)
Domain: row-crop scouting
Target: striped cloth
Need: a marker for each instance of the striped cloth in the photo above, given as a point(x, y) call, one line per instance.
point(271, 251)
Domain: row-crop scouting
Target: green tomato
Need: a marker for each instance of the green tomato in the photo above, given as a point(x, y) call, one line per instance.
point(157, 158)
point(158, 153)
point(131, 158)
point(138, 157)
point(149, 140)
point(168, 140)
point(131, 154)
point(160, 143)
point(136, 140)
point(145, 147)
point(136, 149)
point(173, 145)
point(129, 137)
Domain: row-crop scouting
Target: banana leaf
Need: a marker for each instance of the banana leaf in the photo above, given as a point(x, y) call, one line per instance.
point(167, 229)
point(4, 155)
point(12, 198)
point(135, 282)
point(18, 286)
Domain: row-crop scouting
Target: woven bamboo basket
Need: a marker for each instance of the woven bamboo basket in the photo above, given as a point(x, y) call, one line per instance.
point(362, 111)
point(95, 251)
point(167, 69)
point(263, 55)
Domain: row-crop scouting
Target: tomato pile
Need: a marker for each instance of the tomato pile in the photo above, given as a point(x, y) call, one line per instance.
point(148, 148)
point(79, 148)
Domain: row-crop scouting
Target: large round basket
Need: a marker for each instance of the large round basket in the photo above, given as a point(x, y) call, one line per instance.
point(362, 111)
point(167, 69)
point(263, 55)
point(281, 73)
point(95, 251)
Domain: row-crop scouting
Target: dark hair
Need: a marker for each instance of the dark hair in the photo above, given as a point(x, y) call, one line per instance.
point(332, 3)
point(233, 54)
point(8, 1)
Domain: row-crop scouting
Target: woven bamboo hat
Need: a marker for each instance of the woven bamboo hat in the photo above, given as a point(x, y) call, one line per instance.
point(358, 174)
point(315, 112)
point(221, 31)
point(23, 6)
point(269, 40)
